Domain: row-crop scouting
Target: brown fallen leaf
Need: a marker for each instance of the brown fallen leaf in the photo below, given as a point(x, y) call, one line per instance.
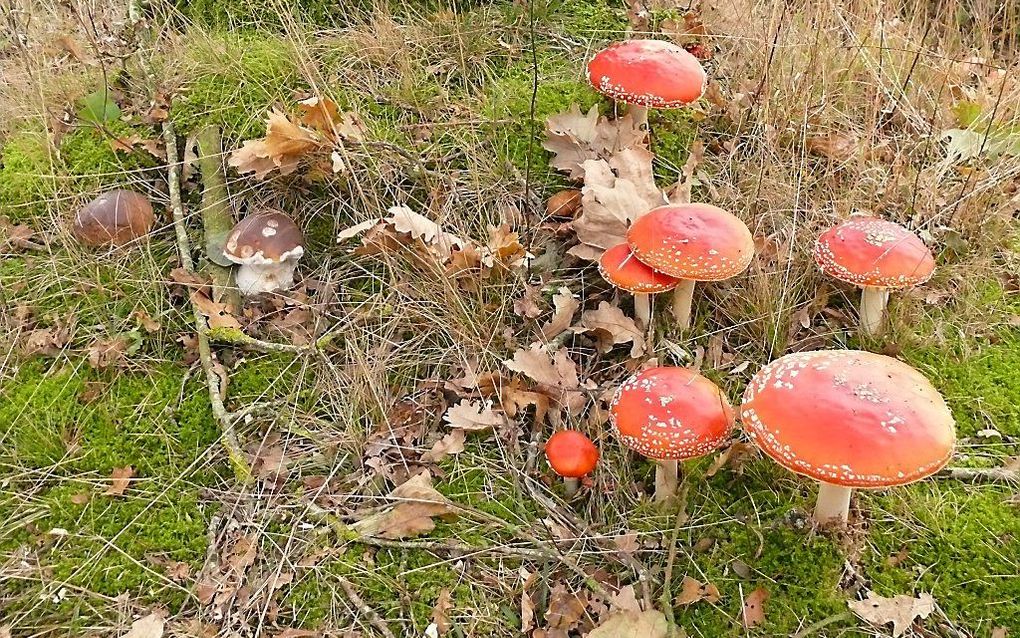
point(835, 146)
point(80, 498)
point(632, 624)
point(680, 192)
point(452, 443)
point(413, 506)
point(473, 416)
point(734, 456)
point(283, 147)
point(625, 600)
point(441, 611)
point(121, 477)
point(536, 363)
point(566, 203)
point(754, 608)
point(899, 611)
point(324, 115)
point(575, 137)
point(611, 327)
point(527, 304)
point(218, 314)
point(565, 609)
point(150, 626)
point(105, 353)
point(565, 304)
point(406, 221)
point(693, 590)
point(146, 322)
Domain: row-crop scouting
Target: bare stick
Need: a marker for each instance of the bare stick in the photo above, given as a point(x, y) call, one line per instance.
point(981, 474)
point(364, 607)
point(226, 421)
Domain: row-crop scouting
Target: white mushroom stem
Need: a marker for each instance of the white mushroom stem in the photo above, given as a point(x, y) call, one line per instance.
point(833, 503)
point(253, 279)
point(683, 298)
point(642, 309)
point(667, 477)
point(640, 115)
point(873, 302)
point(570, 486)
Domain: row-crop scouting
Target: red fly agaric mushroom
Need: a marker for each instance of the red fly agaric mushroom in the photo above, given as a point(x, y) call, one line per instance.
point(572, 455)
point(848, 419)
point(876, 255)
point(620, 267)
point(692, 242)
point(670, 414)
point(647, 74)
point(267, 245)
point(114, 218)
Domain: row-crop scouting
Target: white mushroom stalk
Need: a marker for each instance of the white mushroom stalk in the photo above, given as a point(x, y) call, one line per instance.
point(873, 303)
point(257, 274)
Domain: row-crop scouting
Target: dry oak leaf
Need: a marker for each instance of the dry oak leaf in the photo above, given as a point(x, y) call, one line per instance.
point(536, 364)
point(565, 609)
point(282, 148)
point(576, 137)
point(527, 304)
point(104, 353)
point(150, 626)
point(615, 193)
point(632, 624)
point(834, 146)
point(406, 221)
point(625, 600)
point(452, 443)
point(441, 611)
point(611, 327)
point(217, 313)
point(565, 304)
point(120, 477)
point(415, 503)
point(323, 115)
point(473, 416)
point(900, 611)
point(754, 608)
point(680, 192)
point(693, 590)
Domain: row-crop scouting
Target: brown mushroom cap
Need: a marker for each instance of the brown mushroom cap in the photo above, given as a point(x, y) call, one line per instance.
point(650, 73)
point(620, 267)
point(265, 237)
point(871, 252)
point(692, 241)
point(114, 218)
point(671, 414)
point(849, 418)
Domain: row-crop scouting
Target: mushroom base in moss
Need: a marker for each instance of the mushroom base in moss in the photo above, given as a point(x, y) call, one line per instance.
point(833, 503)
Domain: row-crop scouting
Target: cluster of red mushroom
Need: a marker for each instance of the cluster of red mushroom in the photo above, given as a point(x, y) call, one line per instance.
point(846, 418)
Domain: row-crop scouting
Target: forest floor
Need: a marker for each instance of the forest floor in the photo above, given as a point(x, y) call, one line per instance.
point(119, 507)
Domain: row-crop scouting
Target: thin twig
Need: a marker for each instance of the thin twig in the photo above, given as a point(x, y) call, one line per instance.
point(369, 613)
point(666, 597)
point(981, 474)
point(219, 410)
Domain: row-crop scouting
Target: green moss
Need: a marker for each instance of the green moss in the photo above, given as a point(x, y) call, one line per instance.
point(26, 176)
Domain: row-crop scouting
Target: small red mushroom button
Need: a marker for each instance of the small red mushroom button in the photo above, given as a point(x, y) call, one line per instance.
point(847, 419)
point(670, 414)
point(572, 455)
point(877, 255)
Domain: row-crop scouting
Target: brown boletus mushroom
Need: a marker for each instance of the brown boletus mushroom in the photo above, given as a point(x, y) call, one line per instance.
point(113, 219)
point(847, 419)
point(670, 414)
point(573, 456)
point(692, 242)
point(877, 255)
point(620, 267)
point(647, 74)
point(267, 245)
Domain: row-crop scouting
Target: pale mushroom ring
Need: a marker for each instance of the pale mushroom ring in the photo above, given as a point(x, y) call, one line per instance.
point(871, 252)
point(671, 414)
point(849, 418)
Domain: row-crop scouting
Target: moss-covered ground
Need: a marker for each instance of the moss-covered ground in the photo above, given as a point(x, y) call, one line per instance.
point(76, 560)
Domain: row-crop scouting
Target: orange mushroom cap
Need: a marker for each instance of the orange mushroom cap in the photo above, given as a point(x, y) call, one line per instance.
point(620, 267)
point(849, 418)
point(571, 454)
point(874, 252)
point(650, 73)
point(692, 241)
point(671, 413)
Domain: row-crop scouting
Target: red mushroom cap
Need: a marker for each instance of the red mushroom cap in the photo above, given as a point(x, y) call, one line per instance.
point(571, 454)
point(671, 413)
point(692, 241)
point(849, 418)
point(650, 73)
point(620, 267)
point(873, 252)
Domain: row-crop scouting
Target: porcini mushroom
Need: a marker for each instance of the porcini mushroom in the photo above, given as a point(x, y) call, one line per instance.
point(113, 219)
point(267, 245)
point(692, 242)
point(848, 419)
point(620, 267)
point(669, 415)
point(877, 255)
point(647, 74)
point(572, 455)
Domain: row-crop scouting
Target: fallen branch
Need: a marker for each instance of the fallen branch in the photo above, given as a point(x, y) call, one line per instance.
point(373, 618)
point(981, 474)
point(217, 219)
point(235, 337)
point(219, 410)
